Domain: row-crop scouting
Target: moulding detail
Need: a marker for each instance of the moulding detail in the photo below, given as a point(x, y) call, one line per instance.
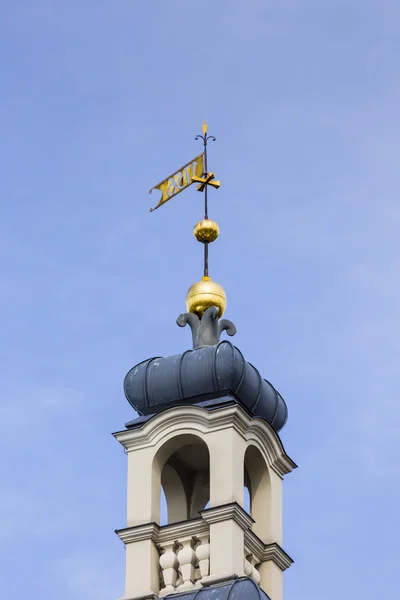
point(197, 420)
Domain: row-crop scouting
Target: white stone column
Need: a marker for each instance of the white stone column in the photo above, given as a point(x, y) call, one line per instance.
point(228, 524)
point(142, 570)
point(143, 497)
point(227, 448)
point(275, 510)
point(271, 579)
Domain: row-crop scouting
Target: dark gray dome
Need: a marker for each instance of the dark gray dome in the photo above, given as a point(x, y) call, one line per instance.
point(188, 378)
point(238, 589)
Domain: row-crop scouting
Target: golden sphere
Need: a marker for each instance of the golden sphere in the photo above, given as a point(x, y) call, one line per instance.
point(203, 294)
point(206, 231)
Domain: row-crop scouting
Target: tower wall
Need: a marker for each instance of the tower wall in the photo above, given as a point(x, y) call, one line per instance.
point(202, 456)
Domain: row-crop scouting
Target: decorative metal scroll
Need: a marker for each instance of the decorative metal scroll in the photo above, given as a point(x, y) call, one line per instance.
point(207, 330)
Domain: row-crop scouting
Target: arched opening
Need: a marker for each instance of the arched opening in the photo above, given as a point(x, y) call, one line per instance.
point(257, 481)
point(247, 500)
point(182, 472)
point(246, 491)
point(163, 508)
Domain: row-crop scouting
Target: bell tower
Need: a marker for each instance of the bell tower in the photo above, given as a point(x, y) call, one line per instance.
point(207, 430)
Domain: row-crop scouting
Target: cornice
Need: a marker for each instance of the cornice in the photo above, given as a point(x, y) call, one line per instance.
point(277, 554)
point(160, 535)
point(283, 465)
point(197, 420)
point(265, 552)
point(188, 418)
point(139, 533)
point(194, 527)
point(179, 531)
point(228, 511)
point(254, 545)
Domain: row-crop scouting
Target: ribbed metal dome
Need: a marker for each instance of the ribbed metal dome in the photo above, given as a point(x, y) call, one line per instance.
point(159, 383)
point(238, 589)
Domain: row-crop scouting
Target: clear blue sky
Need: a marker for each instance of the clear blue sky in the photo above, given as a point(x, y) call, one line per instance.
point(99, 101)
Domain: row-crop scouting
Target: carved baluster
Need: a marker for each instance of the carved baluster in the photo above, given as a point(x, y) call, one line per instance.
point(203, 556)
point(169, 568)
point(250, 568)
point(187, 564)
point(255, 575)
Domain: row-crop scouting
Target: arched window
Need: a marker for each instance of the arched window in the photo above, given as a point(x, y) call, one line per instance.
point(163, 508)
point(257, 481)
point(182, 468)
point(247, 500)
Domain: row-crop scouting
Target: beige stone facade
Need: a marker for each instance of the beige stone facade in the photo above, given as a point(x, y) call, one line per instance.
point(203, 458)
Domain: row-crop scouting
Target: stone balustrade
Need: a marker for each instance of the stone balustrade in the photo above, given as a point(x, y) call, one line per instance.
point(185, 554)
point(250, 567)
point(184, 562)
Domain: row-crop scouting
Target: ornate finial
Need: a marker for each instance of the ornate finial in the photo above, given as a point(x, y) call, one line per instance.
point(206, 331)
point(203, 294)
point(206, 231)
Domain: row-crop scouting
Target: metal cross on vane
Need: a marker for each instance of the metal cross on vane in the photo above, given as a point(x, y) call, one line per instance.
point(208, 180)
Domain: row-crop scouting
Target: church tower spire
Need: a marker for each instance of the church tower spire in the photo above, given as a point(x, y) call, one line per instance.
point(208, 429)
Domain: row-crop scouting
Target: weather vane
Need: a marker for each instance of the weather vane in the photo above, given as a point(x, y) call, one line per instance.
point(205, 293)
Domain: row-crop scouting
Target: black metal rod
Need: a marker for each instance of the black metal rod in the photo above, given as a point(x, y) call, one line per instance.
point(205, 206)
point(206, 259)
point(205, 139)
point(205, 175)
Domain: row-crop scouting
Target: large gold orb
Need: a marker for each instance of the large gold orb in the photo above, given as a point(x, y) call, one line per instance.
point(203, 294)
point(206, 231)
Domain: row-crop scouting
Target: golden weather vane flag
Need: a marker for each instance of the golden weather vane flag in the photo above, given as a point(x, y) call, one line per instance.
point(194, 171)
point(180, 180)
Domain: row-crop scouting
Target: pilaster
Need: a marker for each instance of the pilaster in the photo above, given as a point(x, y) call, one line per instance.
point(227, 447)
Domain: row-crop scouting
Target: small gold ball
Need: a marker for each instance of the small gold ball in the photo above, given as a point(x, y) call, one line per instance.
point(206, 231)
point(203, 294)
